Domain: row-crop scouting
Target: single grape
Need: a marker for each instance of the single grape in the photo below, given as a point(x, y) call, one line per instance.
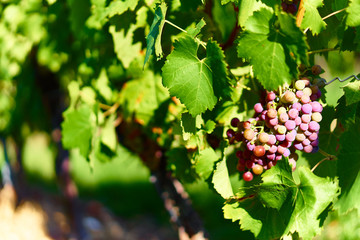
point(283, 117)
point(305, 142)
point(273, 149)
point(300, 137)
point(235, 122)
point(313, 97)
point(290, 125)
point(257, 169)
point(271, 156)
point(230, 133)
point(306, 108)
point(240, 167)
point(299, 94)
point(286, 152)
point(263, 115)
point(316, 69)
point(296, 106)
point(306, 80)
point(270, 96)
point(239, 136)
point(307, 91)
point(305, 99)
point(313, 136)
point(260, 161)
point(281, 110)
point(304, 126)
point(258, 108)
point(316, 116)
point(250, 146)
point(306, 118)
point(314, 89)
point(273, 122)
point(298, 146)
point(249, 164)
point(272, 139)
point(288, 97)
point(292, 163)
point(281, 150)
point(271, 113)
point(286, 144)
point(307, 133)
point(247, 125)
point(280, 137)
point(308, 149)
point(299, 84)
point(284, 6)
point(270, 105)
point(315, 149)
point(263, 137)
point(314, 126)
point(292, 8)
point(315, 143)
point(259, 151)
point(277, 158)
point(298, 121)
point(249, 134)
point(293, 113)
point(281, 129)
point(247, 176)
point(316, 107)
point(290, 137)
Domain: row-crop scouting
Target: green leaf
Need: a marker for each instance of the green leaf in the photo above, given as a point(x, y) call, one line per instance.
point(281, 205)
point(221, 180)
point(352, 92)
point(188, 124)
point(124, 48)
point(312, 18)
point(205, 163)
point(353, 17)
point(348, 159)
point(102, 85)
point(153, 39)
point(77, 129)
point(108, 134)
point(180, 164)
point(219, 13)
point(247, 9)
point(267, 57)
point(119, 7)
point(209, 126)
point(350, 199)
point(193, 80)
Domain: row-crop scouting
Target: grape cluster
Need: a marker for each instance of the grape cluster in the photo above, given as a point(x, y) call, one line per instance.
point(286, 121)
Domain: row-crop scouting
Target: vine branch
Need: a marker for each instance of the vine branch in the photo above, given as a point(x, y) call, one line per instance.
point(300, 13)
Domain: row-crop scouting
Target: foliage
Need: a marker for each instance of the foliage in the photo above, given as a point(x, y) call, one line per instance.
point(164, 79)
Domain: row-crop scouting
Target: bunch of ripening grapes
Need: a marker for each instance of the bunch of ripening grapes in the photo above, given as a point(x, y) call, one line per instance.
point(287, 121)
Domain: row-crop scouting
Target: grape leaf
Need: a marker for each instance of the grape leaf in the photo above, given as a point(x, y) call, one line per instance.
point(262, 47)
point(108, 133)
point(102, 85)
point(192, 80)
point(353, 17)
point(350, 198)
point(221, 180)
point(124, 48)
point(193, 32)
point(312, 18)
point(349, 156)
point(293, 206)
point(204, 164)
point(119, 7)
point(247, 8)
point(77, 129)
point(180, 164)
point(352, 92)
point(153, 39)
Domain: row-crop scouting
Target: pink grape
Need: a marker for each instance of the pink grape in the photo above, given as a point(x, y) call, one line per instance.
point(250, 146)
point(313, 137)
point(298, 121)
point(290, 124)
point(306, 108)
point(297, 106)
point(271, 156)
point(308, 149)
point(273, 121)
point(271, 96)
point(281, 150)
point(316, 107)
point(284, 117)
point(273, 149)
point(298, 146)
point(286, 152)
point(280, 137)
point(286, 144)
point(304, 126)
point(293, 113)
point(299, 94)
point(306, 142)
point(307, 133)
point(314, 126)
point(258, 108)
point(305, 99)
point(272, 139)
point(290, 137)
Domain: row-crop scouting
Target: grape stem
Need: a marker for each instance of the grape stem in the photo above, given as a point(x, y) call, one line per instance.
point(322, 50)
point(327, 157)
point(300, 13)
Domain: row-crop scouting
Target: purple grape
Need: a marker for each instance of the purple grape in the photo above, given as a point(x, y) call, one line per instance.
point(258, 108)
point(315, 149)
point(316, 107)
point(318, 94)
point(314, 126)
point(313, 97)
point(230, 133)
point(293, 113)
point(290, 125)
point(234, 122)
point(286, 144)
point(306, 108)
point(304, 126)
point(315, 143)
